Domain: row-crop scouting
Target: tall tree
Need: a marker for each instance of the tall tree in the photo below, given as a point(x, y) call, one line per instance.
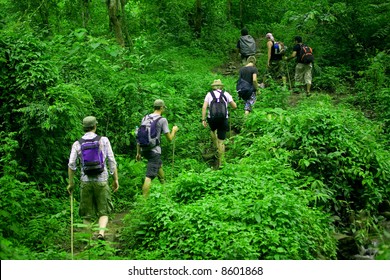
point(198, 19)
point(117, 18)
point(85, 13)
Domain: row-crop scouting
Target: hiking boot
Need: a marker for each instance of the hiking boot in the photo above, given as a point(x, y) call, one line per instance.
point(100, 237)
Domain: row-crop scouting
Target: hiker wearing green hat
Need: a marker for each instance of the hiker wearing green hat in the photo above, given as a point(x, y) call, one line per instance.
point(95, 196)
point(148, 143)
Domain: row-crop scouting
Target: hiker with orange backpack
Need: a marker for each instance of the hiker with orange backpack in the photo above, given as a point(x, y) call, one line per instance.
point(303, 69)
point(94, 151)
point(217, 100)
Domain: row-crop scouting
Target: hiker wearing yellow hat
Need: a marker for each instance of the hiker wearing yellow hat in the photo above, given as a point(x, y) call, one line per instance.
point(217, 101)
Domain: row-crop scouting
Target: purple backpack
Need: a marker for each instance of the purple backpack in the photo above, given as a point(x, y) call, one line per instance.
point(92, 161)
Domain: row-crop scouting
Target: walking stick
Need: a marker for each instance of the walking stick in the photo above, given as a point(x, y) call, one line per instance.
point(173, 157)
point(71, 224)
point(288, 75)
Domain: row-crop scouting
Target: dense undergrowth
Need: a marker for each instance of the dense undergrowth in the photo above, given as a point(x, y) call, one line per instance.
point(295, 175)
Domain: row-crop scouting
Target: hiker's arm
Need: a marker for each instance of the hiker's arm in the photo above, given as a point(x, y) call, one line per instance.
point(115, 183)
point(294, 54)
point(72, 166)
point(171, 135)
point(269, 47)
point(204, 112)
point(70, 186)
point(254, 81)
point(233, 104)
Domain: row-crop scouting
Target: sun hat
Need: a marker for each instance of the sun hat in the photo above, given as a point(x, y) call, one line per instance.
point(89, 121)
point(159, 103)
point(217, 83)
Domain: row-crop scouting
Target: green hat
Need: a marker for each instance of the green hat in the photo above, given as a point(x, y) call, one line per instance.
point(159, 103)
point(89, 121)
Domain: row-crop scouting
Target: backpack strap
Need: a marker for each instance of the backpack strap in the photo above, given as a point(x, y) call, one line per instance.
point(221, 96)
point(96, 138)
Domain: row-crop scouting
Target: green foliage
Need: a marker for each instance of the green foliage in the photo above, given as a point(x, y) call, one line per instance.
point(384, 247)
point(336, 147)
point(228, 217)
point(287, 169)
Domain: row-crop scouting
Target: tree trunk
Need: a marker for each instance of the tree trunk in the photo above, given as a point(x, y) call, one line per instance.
point(198, 19)
point(116, 18)
point(241, 11)
point(85, 12)
point(229, 9)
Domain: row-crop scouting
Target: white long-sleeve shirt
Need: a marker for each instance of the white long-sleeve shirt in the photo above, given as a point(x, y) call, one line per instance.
point(108, 156)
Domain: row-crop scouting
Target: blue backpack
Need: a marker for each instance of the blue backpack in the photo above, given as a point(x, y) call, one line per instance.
point(92, 161)
point(147, 132)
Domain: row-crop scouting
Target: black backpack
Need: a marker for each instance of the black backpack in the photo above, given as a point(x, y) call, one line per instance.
point(147, 132)
point(218, 107)
point(244, 89)
point(306, 54)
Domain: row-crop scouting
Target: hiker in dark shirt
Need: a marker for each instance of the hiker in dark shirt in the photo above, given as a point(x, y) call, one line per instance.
point(249, 73)
point(246, 45)
point(275, 64)
point(303, 72)
point(95, 194)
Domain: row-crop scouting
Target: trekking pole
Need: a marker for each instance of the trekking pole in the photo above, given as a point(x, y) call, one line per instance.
point(71, 224)
point(288, 75)
point(173, 157)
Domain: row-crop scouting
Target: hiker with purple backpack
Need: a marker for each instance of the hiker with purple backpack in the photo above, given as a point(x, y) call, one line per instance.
point(95, 195)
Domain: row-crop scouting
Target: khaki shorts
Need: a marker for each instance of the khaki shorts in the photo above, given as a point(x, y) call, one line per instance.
point(303, 74)
point(95, 200)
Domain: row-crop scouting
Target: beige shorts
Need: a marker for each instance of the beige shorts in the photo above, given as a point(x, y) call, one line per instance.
point(303, 73)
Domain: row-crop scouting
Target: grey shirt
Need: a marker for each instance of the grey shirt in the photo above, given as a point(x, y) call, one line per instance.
point(162, 128)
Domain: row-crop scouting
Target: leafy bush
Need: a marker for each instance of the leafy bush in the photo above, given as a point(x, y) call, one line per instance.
point(218, 215)
point(336, 147)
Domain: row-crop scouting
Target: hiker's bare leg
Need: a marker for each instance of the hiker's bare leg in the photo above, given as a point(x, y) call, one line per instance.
point(284, 81)
point(103, 221)
point(214, 138)
point(146, 186)
point(161, 175)
point(221, 151)
point(308, 86)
